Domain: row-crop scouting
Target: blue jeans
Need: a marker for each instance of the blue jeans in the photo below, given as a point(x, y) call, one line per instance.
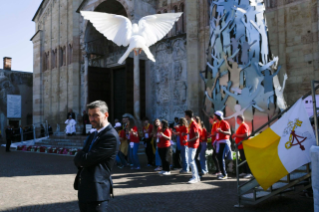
point(120, 159)
point(203, 162)
point(191, 159)
point(134, 156)
point(184, 158)
point(158, 161)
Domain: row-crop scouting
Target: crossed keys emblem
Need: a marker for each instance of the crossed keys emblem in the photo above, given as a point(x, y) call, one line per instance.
point(294, 138)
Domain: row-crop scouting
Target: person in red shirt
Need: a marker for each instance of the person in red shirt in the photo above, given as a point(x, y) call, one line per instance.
point(222, 139)
point(213, 122)
point(242, 133)
point(157, 128)
point(134, 142)
point(203, 141)
point(163, 144)
point(182, 131)
point(193, 144)
point(198, 150)
point(147, 132)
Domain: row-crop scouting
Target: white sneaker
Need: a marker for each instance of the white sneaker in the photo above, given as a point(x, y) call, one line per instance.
point(193, 180)
point(248, 176)
point(158, 169)
point(222, 177)
point(166, 173)
point(242, 174)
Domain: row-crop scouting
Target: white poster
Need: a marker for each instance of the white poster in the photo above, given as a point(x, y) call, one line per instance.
point(13, 106)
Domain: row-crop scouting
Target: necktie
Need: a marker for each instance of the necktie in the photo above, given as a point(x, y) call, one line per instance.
point(94, 139)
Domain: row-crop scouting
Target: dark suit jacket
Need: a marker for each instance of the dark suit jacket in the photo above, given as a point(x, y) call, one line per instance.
point(9, 134)
point(95, 183)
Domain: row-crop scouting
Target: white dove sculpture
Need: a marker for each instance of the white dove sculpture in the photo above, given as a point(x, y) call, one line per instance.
point(141, 36)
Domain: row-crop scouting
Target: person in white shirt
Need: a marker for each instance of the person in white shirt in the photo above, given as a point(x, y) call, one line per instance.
point(70, 126)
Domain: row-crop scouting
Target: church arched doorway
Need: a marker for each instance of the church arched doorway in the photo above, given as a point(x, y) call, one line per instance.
point(107, 80)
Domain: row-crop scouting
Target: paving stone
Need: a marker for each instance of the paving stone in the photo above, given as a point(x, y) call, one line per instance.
point(43, 182)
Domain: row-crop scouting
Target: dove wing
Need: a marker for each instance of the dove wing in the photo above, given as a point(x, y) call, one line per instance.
point(116, 28)
point(154, 27)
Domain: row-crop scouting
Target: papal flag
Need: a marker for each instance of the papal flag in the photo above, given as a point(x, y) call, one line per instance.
point(282, 148)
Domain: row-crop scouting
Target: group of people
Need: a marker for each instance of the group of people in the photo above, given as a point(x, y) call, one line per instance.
point(190, 136)
point(17, 135)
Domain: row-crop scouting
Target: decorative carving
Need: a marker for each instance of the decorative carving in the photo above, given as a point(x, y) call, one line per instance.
point(240, 58)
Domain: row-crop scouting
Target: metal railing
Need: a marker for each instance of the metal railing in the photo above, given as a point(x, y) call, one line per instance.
point(259, 130)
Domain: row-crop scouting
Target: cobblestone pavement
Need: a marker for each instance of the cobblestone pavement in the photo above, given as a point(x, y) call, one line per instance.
point(41, 182)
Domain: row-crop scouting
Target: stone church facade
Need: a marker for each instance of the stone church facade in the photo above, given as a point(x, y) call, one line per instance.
point(74, 64)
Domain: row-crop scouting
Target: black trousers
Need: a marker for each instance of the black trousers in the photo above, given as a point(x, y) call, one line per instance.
point(221, 161)
point(177, 159)
point(163, 152)
point(246, 168)
point(94, 206)
point(197, 161)
point(215, 160)
point(8, 145)
point(149, 152)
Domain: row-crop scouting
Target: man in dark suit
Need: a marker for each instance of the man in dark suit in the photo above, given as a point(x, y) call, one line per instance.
point(96, 160)
point(9, 135)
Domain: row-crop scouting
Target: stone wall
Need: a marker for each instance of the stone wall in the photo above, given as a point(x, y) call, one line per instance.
point(15, 83)
point(56, 61)
point(293, 36)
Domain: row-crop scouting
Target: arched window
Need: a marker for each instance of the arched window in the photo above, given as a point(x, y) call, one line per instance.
point(61, 56)
point(56, 58)
point(48, 61)
point(64, 56)
point(53, 60)
point(70, 54)
point(176, 27)
point(183, 17)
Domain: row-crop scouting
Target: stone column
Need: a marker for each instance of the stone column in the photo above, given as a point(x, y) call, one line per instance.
point(137, 87)
point(37, 77)
point(315, 176)
point(193, 63)
point(86, 80)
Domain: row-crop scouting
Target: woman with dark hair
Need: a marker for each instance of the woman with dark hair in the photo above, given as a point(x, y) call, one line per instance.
point(203, 141)
point(198, 150)
point(182, 131)
point(132, 132)
point(163, 144)
point(156, 130)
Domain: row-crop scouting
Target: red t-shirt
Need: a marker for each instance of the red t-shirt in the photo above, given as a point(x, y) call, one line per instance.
point(203, 135)
point(213, 132)
point(122, 134)
point(164, 143)
point(148, 131)
point(224, 126)
point(182, 138)
point(134, 138)
point(242, 129)
point(194, 128)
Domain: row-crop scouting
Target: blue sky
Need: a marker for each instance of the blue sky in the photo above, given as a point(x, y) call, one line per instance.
point(16, 30)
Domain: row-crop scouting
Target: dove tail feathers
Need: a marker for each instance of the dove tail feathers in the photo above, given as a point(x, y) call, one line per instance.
point(149, 54)
point(125, 55)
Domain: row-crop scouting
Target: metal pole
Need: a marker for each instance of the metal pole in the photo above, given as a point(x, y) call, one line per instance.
point(137, 87)
point(33, 132)
point(313, 89)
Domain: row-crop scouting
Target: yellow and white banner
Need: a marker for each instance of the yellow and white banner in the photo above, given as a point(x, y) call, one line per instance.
point(282, 148)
